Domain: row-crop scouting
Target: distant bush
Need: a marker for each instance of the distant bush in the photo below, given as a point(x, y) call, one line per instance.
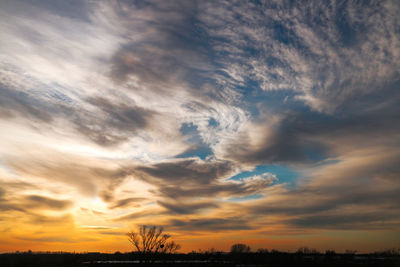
point(330, 252)
point(306, 250)
point(389, 252)
point(240, 248)
point(350, 251)
point(262, 251)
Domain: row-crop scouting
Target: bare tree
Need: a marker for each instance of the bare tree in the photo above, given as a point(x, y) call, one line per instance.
point(170, 247)
point(150, 239)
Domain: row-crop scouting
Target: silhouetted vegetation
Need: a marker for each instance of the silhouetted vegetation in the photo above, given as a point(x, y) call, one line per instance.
point(240, 248)
point(151, 239)
point(262, 257)
point(306, 250)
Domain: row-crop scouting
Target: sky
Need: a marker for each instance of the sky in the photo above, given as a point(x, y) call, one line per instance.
point(270, 123)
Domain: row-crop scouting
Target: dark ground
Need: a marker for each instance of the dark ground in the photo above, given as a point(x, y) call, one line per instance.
point(281, 259)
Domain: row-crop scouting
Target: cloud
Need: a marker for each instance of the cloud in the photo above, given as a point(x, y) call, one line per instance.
point(131, 110)
point(49, 239)
point(72, 9)
point(33, 81)
point(123, 203)
point(84, 175)
point(168, 57)
point(314, 202)
point(9, 206)
point(216, 189)
point(187, 208)
point(144, 214)
point(209, 224)
point(307, 136)
point(322, 54)
point(186, 178)
point(95, 227)
point(119, 122)
point(112, 233)
point(165, 49)
point(349, 221)
point(337, 195)
point(122, 116)
point(46, 202)
point(188, 170)
point(43, 219)
point(20, 103)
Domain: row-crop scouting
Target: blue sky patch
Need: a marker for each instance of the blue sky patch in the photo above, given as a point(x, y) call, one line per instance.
point(245, 198)
point(200, 149)
point(284, 174)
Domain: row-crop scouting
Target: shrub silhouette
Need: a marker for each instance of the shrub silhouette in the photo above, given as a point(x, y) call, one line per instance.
point(306, 250)
point(240, 248)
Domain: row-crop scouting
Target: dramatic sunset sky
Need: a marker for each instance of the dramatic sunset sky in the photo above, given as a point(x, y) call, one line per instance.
point(271, 123)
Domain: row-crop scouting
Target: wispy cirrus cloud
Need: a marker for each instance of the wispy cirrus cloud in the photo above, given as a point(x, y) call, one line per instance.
point(321, 54)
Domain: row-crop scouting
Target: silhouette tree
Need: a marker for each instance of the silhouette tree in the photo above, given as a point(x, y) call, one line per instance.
point(240, 248)
point(306, 250)
point(151, 239)
point(262, 251)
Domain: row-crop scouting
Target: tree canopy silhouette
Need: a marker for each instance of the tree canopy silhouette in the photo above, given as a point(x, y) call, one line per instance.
point(151, 239)
point(240, 248)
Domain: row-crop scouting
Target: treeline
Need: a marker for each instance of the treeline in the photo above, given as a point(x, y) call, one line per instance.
point(205, 258)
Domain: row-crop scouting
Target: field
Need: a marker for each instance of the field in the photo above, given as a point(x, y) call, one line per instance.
point(275, 258)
